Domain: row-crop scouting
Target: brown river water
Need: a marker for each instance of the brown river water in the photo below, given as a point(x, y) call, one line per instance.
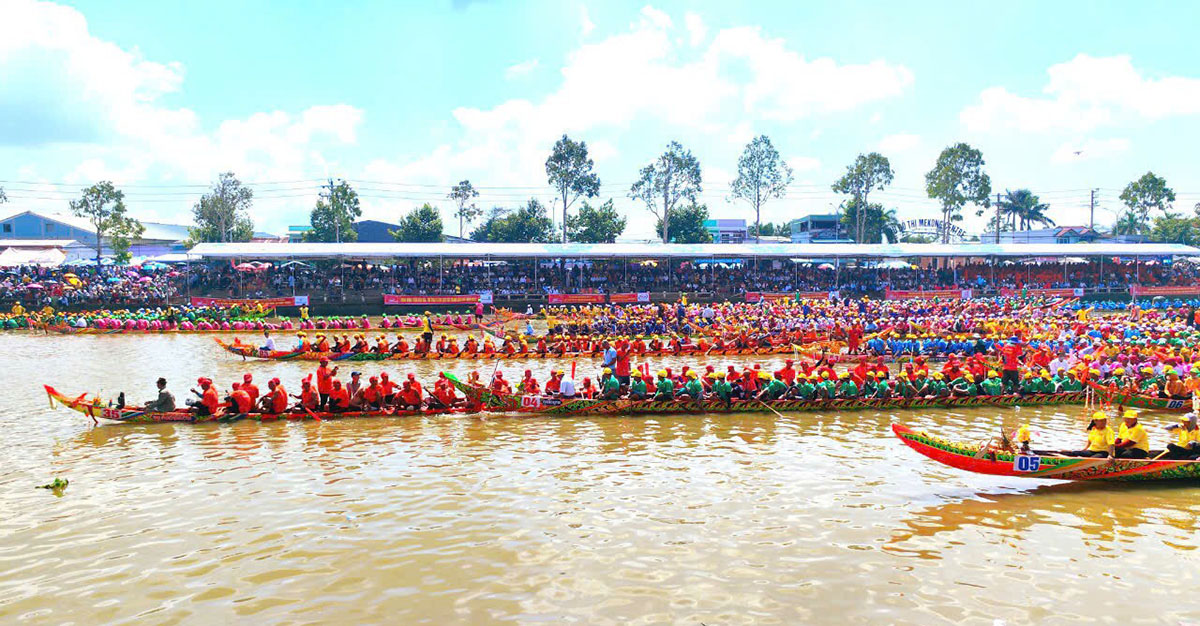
point(812, 518)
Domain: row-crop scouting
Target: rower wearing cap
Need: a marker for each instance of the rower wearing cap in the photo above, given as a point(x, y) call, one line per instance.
point(787, 374)
point(528, 384)
point(322, 343)
point(847, 388)
point(1100, 438)
point(721, 389)
point(610, 387)
point(302, 344)
point(355, 383)
point(637, 386)
point(239, 400)
point(339, 398)
point(325, 381)
point(276, 400)
point(665, 389)
point(387, 388)
point(693, 388)
point(250, 388)
point(992, 385)
point(772, 388)
point(1187, 440)
point(1132, 441)
point(209, 402)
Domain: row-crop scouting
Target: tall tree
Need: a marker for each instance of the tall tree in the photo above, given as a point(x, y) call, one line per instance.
point(1024, 209)
point(103, 205)
point(687, 225)
point(877, 222)
point(762, 175)
point(333, 217)
point(4, 198)
point(222, 214)
point(569, 171)
point(670, 179)
point(956, 179)
point(869, 172)
point(423, 223)
point(1148, 193)
point(1170, 229)
point(600, 224)
point(1129, 223)
point(462, 194)
point(528, 224)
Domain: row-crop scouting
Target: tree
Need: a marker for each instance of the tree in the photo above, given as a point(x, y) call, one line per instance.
point(569, 171)
point(687, 225)
point(956, 179)
point(1146, 194)
point(462, 194)
point(103, 205)
point(1024, 209)
point(868, 173)
point(876, 222)
point(1129, 223)
point(673, 177)
point(762, 175)
point(4, 198)
point(423, 223)
point(600, 224)
point(1169, 229)
point(333, 217)
point(528, 224)
point(222, 214)
point(782, 229)
point(121, 238)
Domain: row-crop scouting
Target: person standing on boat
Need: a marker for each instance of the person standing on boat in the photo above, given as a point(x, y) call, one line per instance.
point(427, 329)
point(1010, 357)
point(1132, 441)
point(165, 402)
point(1100, 438)
point(325, 382)
point(1187, 440)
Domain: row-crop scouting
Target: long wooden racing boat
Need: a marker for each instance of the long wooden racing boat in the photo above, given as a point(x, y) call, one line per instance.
point(248, 351)
point(986, 460)
point(96, 409)
point(544, 405)
point(1139, 401)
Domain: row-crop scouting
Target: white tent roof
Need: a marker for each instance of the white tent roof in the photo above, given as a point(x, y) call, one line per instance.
point(248, 251)
point(14, 257)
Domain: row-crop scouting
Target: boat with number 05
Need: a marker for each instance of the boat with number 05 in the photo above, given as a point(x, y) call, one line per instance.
point(989, 459)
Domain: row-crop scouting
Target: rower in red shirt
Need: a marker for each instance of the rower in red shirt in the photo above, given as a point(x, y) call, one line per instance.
point(279, 397)
point(250, 388)
point(552, 385)
point(410, 397)
point(209, 402)
point(417, 386)
point(529, 384)
point(325, 382)
point(788, 373)
point(387, 388)
point(239, 400)
point(339, 398)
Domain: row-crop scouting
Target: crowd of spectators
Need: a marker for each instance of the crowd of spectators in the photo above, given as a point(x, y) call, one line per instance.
point(341, 281)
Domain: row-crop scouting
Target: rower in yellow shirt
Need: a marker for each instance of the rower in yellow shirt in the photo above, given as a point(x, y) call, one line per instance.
point(1132, 441)
point(1100, 438)
point(18, 310)
point(1187, 440)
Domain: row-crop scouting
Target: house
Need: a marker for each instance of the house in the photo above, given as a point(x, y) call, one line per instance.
point(375, 231)
point(819, 229)
point(726, 231)
point(158, 238)
point(1053, 234)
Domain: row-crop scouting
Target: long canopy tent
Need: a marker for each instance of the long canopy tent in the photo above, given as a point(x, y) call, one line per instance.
point(382, 251)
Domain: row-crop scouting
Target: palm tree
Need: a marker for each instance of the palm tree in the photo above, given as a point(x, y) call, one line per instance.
point(1129, 224)
point(1024, 208)
point(878, 222)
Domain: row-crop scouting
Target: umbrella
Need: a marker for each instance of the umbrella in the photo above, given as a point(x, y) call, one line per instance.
point(131, 274)
point(113, 279)
point(34, 286)
point(172, 274)
point(825, 266)
point(70, 275)
point(145, 279)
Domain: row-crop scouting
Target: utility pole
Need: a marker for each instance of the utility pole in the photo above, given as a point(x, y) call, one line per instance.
point(337, 223)
point(1092, 212)
point(997, 217)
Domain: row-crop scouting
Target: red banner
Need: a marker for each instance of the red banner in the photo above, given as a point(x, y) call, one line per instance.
point(1169, 290)
point(390, 299)
point(267, 303)
point(1051, 293)
point(759, 296)
point(915, 294)
point(576, 298)
point(626, 298)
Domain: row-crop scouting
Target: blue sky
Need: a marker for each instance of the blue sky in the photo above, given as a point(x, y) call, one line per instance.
point(404, 99)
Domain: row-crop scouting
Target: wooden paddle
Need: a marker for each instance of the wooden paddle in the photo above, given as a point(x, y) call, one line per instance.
point(770, 408)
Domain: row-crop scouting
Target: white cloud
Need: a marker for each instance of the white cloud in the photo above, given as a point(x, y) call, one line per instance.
point(1072, 152)
point(585, 22)
point(804, 163)
point(901, 142)
point(520, 69)
point(67, 90)
point(695, 28)
point(1082, 94)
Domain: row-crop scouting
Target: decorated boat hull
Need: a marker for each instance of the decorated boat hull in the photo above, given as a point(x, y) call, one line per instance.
point(1150, 403)
point(514, 403)
point(975, 458)
point(97, 410)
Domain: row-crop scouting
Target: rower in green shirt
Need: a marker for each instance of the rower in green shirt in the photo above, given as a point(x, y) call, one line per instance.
point(1030, 384)
point(610, 387)
point(826, 390)
point(847, 389)
point(803, 389)
point(665, 389)
point(904, 387)
point(773, 390)
point(964, 386)
point(637, 386)
point(937, 387)
point(883, 390)
point(722, 389)
point(992, 385)
point(694, 389)
point(869, 386)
